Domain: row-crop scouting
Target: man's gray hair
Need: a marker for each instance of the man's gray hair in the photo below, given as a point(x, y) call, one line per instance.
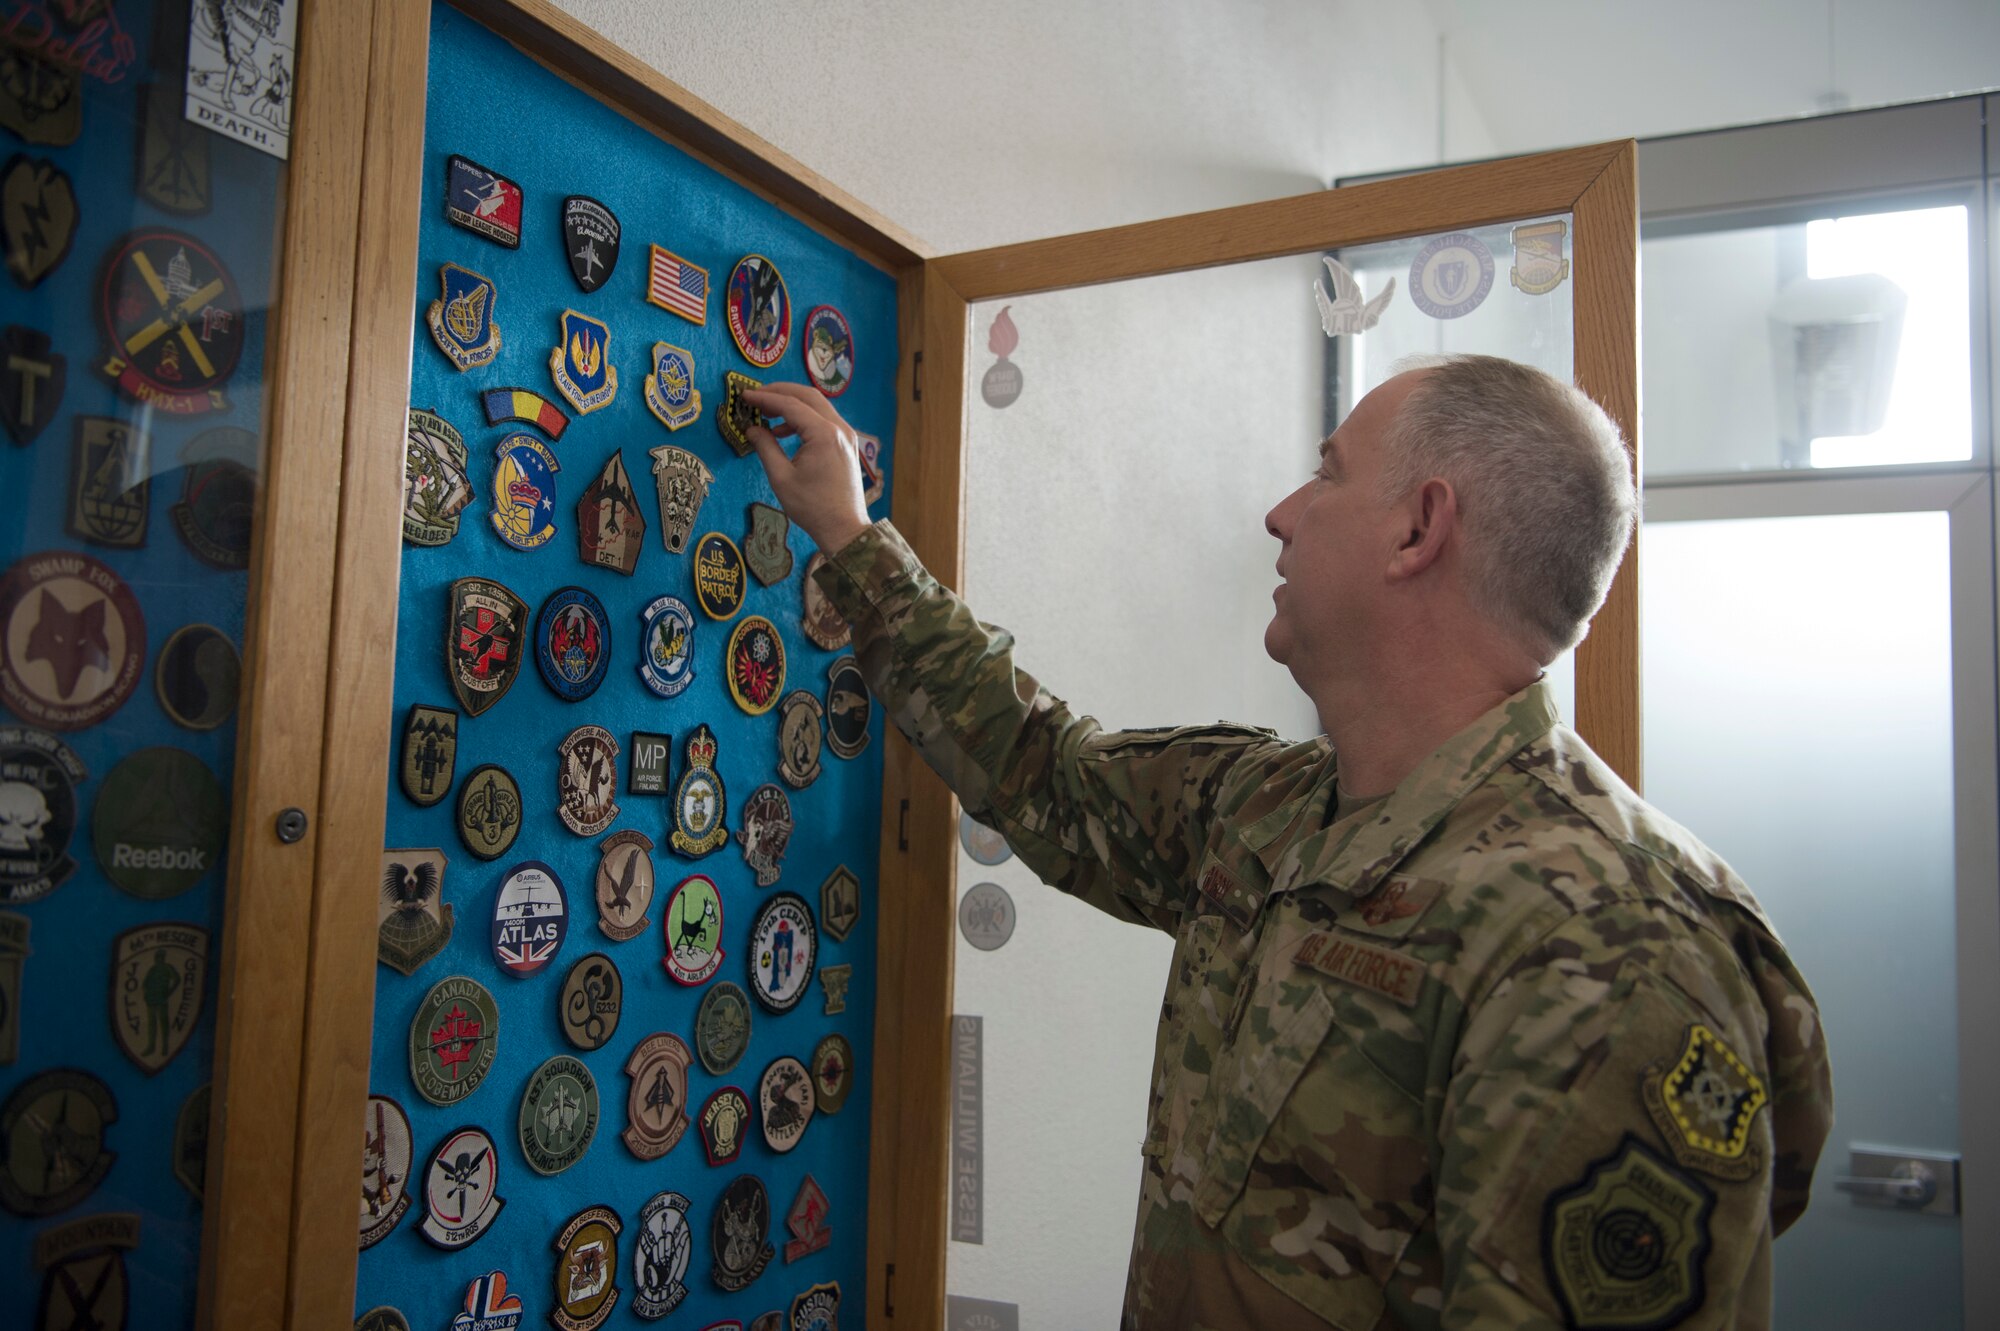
point(1544, 487)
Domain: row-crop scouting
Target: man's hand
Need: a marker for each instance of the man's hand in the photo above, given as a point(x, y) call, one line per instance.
point(820, 485)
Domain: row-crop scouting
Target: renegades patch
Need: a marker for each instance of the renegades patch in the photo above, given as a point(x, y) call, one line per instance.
point(436, 488)
point(1388, 973)
point(1624, 1248)
point(1704, 1105)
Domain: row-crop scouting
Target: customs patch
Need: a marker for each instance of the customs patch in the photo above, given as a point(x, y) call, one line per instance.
point(722, 1027)
point(453, 1036)
point(109, 493)
point(650, 771)
point(436, 486)
point(624, 884)
point(785, 1102)
point(800, 733)
point(756, 665)
point(159, 976)
point(14, 953)
point(530, 918)
point(656, 1104)
point(488, 1305)
point(412, 921)
point(724, 1120)
point(808, 1221)
point(666, 649)
point(37, 217)
point(462, 1196)
point(1365, 965)
point(821, 622)
point(610, 528)
point(670, 392)
point(681, 480)
point(558, 1114)
point(700, 800)
point(218, 496)
point(482, 201)
point(430, 753)
point(160, 823)
point(739, 1233)
point(1704, 1104)
point(1626, 1245)
point(524, 491)
point(766, 547)
point(72, 641)
point(674, 284)
point(461, 318)
point(1539, 265)
point(1451, 275)
point(833, 1072)
point(196, 677)
point(834, 980)
point(581, 363)
point(586, 1269)
point(840, 902)
point(593, 998)
point(587, 783)
point(489, 811)
point(190, 1150)
point(818, 1309)
point(986, 916)
point(386, 1157)
point(32, 378)
point(848, 708)
point(718, 576)
point(828, 346)
point(765, 831)
point(38, 776)
point(694, 930)
point(572, 643)
point(52, 1152)
point(172, 322)
point(737, 415)
point(661, 1249)
point(485, 644)
point(783, 948)
point(84, 1282)
point(530, 408)
point(590, 237)
point(759, 309)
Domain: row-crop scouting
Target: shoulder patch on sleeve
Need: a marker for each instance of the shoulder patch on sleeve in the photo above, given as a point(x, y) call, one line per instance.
point(1704, 1104)
point(1625, 1246)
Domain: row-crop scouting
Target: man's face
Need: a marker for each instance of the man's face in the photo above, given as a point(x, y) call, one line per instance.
point(1337, 535)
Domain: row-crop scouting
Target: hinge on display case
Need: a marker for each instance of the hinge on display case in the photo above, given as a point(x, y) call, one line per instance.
point(917, 378)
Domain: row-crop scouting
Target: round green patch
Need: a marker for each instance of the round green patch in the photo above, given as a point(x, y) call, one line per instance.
point(453, 1038)
point(558, 1114)
point(160, 823)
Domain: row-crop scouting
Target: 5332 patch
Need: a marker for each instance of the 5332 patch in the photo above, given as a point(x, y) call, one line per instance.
point(1625, 1246)
point(1704, 1104)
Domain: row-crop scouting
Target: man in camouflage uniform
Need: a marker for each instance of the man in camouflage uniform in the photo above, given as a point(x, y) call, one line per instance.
point(1459, 1031)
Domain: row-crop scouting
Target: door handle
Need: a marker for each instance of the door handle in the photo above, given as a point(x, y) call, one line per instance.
point(1899, 1179)
point(1913, 1185)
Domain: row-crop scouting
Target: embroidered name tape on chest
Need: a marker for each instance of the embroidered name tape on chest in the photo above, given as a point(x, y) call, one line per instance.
point(1230, 896)
point(1387, 973)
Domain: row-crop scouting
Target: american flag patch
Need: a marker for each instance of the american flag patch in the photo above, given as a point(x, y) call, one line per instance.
point(672, 283)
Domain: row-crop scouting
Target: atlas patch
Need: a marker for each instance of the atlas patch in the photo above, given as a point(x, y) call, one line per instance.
point(587, 784)
point(430, 753)
point(1704, 1104)
point(986, 916)
point(800, 733)
point(38, 217)
point(808, 1221)
point(834, 980)
point(72, 641)
point(558, 1115)
point(833, 1072)
point(482, 201)
point(453, 1037)
point(387, 1154)
point(699, 800)
point(41, 99)
point(785, 1102)
point(722, 1027)
point(1451, 275)
point(1626, 1245)
point(590, 238)
point(581, 363)
point(650, 772)
point(412, 920)
point(694, 930)
point(196, 677)
point(52, 1152)
point(172, 321)
point(31, 387)
point(489, 811)
point(461, 318)
point(171, 169)
point(766, 547)
point(827, 344)
point(488, 623)
point(84, 1282)
point(38, 811)
point(656, 1104)
point(840, 902)
point(610, 528)
point(462, 1199)
point(1227, 893)
point(724, 1119)
point(759, 309)
point(586, 1268)
point(436, 486)
point(681, 480)
point(190, 1148)
point(1539, 265)
point(488, 1305)
point(160, 823)
point(870, 449)
point(524, 491)
point(821, 622)
point(784, 945)
point(765, 831)
point(756, 665)
point(109, 493)
point(505, 405)
point(530, 918)
point(674, 284)
point(718, 576)
point(670, 391)
point(593, 998)
point(1364, 965)
point(572, 643)
point(848, 708)
point(666, 657)
point(818, 1309)
point(624, 884)
point(740, 1233)
point(14, 954)
point(218, 502)
point(737, 415)
point(661, 1250)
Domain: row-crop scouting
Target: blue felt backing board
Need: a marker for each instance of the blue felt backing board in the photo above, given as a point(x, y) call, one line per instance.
point(66, 978)
point(493, 105)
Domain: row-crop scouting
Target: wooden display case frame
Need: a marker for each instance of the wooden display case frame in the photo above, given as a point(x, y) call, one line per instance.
point(298, 964)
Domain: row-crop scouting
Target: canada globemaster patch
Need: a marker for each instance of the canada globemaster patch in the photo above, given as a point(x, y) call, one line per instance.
point(1625, 1246)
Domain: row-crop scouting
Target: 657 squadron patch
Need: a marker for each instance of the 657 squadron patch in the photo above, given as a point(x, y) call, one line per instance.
point(1625, 1246)
point(1704, 1104)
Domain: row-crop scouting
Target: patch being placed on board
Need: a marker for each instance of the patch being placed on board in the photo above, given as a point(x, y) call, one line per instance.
point(387, 1154)
point(572, 643)
point(722, 1027)
point(1704, 1103)
point(590, 237)
point(1625, 1246)
point(524, 491)
point(196, 677)
point(662, 1247)
point(674, 284)
point(765, 547)
point(503, 405)
point(587, 782)
point(171, 169)
point(1539, 265)
point(827, 344)
point(1348, 312)
point(72, 640)
point(172, 322)
point(765, 830)
point(436, 485)
point(693, 918)
point(461, 318)
point(190, 1148)
point(489, 1306)
point(718, 576)
point(489, 811)
point(52, 1151)
point(485, 644)
point(581, 363)
point(834, 980)
point(482, 201)
point(840, 903)
point(739, 1234)
point(624, 883)
point(41, 99)
point(32, 379)
point(1227, 893)
point(724, 1119)
point(412, 921)
point(160, 823)
point(656, 1103)
point(833, 1071)
point(848, 708)
point(218, 500)
point(462, 1192)
point(986, 916)
point(159, 975)
point(530, 918)
point(1000, 386)
point(430, 753)
point(681, 481)
point(38, 815)
point(14, 952)
point(610, 527)
point(558, 1115)
point(818, 1309)
point(666, 647)
point(759, 309)
point(784, 945)
point(870, 449)
point(800, 734)
point(453, 1036)
point(670, 391)
point(1451, 275)
point(1365, 965)
point(109, 493)
point(821, 622)
point(699, 800)
point(593, 998)
point(38, 217)
point(84, 1281)
point(737, 415)
point(756, 665)
point(1398, 898)
point(586, 1269)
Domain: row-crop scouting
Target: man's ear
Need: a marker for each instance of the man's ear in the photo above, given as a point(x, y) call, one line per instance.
point(1431, 521)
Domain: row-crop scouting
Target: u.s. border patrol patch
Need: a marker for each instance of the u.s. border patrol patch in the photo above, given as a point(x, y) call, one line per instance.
point(1704, 1105)
point(1625, 1246)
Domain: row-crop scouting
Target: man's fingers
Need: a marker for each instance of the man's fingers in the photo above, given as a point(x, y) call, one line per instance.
point(771, 453)
point(787, 399)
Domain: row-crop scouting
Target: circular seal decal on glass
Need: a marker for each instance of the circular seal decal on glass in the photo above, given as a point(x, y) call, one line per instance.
point(739, 1233)
point(72, 641)
point(572, 643)
point(38, 776)
point(981, 842)
point(694, 930)
point(783, 948)
point(219, 495)
point(52, 1152)
point(759, 310)
point(986, 916)
point(756, 665)
point(847, 708)
point(833, 1072)
point(386, 1157)
point(718, 575)
point(172, 322)
point(558, 1114)
point(593, 996)
point(196, 677)
point(785, 1101)
point(461, 1189)
point(160, 822)
point(722, 1027)
point(666, 651)
point(1451, 275)
point(530, 918)
point(524, 491)
point(489, 811)
point(662, 1246)
point(452, 1038)
point(828, 345)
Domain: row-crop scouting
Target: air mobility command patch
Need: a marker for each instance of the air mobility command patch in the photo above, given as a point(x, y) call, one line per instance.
point(430, 753)
point(670, 392)
point(84, 1283)
point(593, 998)
point(461, 1191)
point(1625, 1246)
point(610, 528)
point(387, 1156)
point(738, 1234)
point(1704, 1104)
point(461, 318)
point(412, 921)
point(586, 1270)
point(436, 487)
point(558, 1114)
point(489, 811)
point(486, 643)
point(661, 1251)
point(52, 1152)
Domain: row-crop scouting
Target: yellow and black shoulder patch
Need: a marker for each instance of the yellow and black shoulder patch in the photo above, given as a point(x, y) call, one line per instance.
point(1625, 1247)
point(1704, 1104)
